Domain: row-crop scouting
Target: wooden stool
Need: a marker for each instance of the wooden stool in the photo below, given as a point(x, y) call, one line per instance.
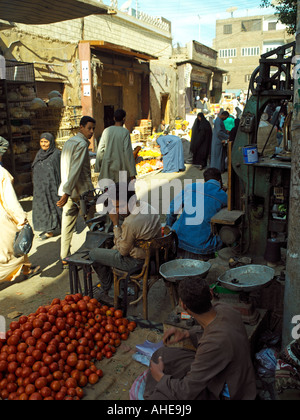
point(142, 278)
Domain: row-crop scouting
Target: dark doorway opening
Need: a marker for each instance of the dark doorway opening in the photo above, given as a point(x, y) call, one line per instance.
point(108, 115)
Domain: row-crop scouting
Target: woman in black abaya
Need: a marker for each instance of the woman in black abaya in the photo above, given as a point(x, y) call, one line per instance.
point(201, 141)
point(46, 216)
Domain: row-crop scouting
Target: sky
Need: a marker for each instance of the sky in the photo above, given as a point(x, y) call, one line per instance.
point(195, 19)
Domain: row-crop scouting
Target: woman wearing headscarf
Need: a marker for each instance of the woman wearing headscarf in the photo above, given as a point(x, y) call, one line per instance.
point(172, 152)
point(201, 141)
point(46, 216)
point(12, 220)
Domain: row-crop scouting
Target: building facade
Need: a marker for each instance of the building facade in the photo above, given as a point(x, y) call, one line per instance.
point(121, 60)
point(100, 62)
point(241, 41)
point(176, 82)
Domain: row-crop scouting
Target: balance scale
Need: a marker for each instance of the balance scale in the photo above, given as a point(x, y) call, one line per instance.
point(244, 280)
point(241, 281)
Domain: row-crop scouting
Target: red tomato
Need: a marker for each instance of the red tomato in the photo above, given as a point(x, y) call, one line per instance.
point(3, 366)
point(45, 392)
point(109, 327)
point(122, 329)
point(79, 392)
point(72, 360)
point(55, 386)
point(93, 378)
point(71, 383)
point(40, 383)
point(83, 380)
point(30, 389)
point(118, 313)
point(36, 396)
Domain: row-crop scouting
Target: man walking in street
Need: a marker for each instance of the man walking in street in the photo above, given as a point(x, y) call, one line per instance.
point(76, 179)
point(115, 153)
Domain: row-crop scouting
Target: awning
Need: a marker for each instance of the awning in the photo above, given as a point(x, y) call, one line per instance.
point(38, 12)
point(119, 49)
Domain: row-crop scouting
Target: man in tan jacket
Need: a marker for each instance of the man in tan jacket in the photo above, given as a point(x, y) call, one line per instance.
point(141, 221)
point(75, 180)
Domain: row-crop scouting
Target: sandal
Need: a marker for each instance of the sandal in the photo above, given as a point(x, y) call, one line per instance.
point(65, 265)
point(46, 236)
point(35, 269)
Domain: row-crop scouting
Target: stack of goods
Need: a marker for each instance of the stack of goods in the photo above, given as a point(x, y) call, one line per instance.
point(62, 122)
point(142, 132)
point(215, 108)
point(52, 354)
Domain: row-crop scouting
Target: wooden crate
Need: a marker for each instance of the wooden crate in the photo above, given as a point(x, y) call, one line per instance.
point(145, 123)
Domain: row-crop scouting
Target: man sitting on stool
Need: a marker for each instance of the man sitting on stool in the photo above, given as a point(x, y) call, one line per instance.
point(140, 222)
point(198, 203)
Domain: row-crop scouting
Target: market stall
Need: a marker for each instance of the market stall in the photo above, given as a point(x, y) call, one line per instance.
point(149, 161)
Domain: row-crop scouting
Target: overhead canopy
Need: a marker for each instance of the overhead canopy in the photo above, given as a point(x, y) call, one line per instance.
point(38, 12)
point(119, 49)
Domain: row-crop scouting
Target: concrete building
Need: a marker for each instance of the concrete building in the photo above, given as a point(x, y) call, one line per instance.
point(240, 43)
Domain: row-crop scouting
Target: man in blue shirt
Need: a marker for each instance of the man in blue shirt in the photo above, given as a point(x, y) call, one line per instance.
point(196, 205)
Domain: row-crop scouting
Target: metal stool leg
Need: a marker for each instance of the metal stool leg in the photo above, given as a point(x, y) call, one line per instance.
point(87, 277)
point(71, 280)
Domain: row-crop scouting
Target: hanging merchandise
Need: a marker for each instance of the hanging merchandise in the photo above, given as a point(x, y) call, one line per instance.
point(2, 68)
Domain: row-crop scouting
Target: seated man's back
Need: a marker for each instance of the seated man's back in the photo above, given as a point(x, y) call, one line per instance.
point(200, 202)
point(143, 223)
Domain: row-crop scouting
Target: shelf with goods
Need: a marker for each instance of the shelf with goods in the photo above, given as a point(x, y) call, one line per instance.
point(16, 94)
point(63, 123)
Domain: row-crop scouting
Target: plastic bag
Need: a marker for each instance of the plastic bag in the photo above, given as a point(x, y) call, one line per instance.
point(267, 362)
point(23, 241)
point(145, 351)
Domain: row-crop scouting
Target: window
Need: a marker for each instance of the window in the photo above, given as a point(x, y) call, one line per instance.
point(247, 77)
point(251, 25)
point(272, 26)
point(250, 51)
point(226, 78)
point(228, 53)
point(227, 29)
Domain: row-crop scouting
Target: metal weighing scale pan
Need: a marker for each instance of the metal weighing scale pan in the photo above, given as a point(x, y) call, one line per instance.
point(247, 278)
point(179, 269)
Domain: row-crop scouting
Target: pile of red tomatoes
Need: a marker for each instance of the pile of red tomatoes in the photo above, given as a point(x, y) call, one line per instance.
point(51, 354)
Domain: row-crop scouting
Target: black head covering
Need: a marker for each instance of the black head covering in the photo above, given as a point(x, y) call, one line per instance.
point(44, 154)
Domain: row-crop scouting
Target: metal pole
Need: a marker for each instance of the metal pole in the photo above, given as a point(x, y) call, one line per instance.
point(291, 311)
